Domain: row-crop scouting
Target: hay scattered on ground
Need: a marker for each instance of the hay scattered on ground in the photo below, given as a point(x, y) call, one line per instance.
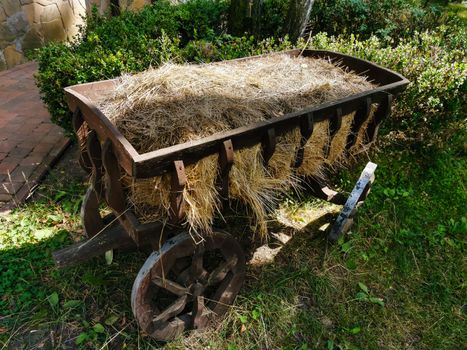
point(179, 103)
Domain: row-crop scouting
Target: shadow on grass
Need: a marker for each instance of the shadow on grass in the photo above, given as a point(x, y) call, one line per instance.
point(43, 306)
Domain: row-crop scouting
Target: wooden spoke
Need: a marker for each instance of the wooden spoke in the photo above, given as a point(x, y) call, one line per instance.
point(180, 266)
point(199, 319)
point(217, 303)
point(171, 286)
point(198, 307)
point(197, 269)
point(221, 271)
point(173, 310)
point(90, 216)
point(184, 276)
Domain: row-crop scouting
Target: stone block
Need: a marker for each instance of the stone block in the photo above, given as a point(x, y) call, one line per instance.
point(50, 13)
point(2, 15)
point(18, 23)
point(11, 7)
point(45, 2)
point(33, 12)
point(70, 19)
point(102, 5)
point(53, 30)
point(13, 57)
point(33, 38)
point(6, 34)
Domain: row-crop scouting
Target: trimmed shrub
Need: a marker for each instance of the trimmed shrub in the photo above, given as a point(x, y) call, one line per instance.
point(435, 62)
point(384, 18)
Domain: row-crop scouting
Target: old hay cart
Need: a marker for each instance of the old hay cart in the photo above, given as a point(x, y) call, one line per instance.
point(178, 266)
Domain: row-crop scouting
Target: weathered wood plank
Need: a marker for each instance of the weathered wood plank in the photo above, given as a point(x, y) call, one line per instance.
point(111, 238)
point(345, 219)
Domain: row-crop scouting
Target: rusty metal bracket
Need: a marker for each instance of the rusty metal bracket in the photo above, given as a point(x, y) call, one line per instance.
point(359, 193)
point(226, 159)
point(306, 130)
point(179, 180)
point(269, 145)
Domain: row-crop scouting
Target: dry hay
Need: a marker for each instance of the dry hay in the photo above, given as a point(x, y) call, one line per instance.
point(179, 103)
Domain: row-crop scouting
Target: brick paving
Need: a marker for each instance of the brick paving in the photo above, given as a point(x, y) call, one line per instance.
point(29, 142)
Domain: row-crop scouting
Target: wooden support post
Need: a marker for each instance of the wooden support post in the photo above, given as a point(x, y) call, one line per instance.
point(112, 238)
point(306, 130)
point(81, 133)
point(361, 116)
point(335, 123)
point(345, 219)
point(113, 187)
point(90, 216)
point(269, 145)
point(226, 159)
point(177, 210)
point(383, 111)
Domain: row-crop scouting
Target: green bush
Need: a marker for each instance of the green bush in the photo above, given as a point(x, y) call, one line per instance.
point(435, 62)
point(385, 18)
point(227, 47)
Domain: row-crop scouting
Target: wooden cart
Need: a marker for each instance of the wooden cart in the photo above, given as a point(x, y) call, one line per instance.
point(177, 270)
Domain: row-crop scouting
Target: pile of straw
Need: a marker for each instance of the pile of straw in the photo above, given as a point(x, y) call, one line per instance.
point(178, 103)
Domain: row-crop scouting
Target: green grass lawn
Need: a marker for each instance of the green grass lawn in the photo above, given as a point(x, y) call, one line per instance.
point(396, 282)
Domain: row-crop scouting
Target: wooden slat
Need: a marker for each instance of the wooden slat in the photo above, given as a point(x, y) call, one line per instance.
point(226, 159)
point(178, 182)
point(78, 126)
point(90, 216)
point(306, 130)
point(335, 123)
point(268, 145)
point(111, 238)
point(96, 120)
point(113, 188)
point(383, 111)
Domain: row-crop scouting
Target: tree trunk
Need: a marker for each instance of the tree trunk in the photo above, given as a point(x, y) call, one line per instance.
point(114, 8)
point(244, 17)
point(297, 18)
point(239, 17)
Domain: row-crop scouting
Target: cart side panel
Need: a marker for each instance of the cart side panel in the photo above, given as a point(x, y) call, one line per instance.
point(97, 121)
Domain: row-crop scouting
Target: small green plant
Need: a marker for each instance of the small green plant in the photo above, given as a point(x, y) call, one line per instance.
point(364, 295)
point(91, 334)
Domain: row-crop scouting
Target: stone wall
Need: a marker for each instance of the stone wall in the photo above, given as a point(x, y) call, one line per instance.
point(104, 5)
point(29, 24)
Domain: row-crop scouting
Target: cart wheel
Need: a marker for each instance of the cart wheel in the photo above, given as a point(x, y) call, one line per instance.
point(186, 285)
point(358, 195)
